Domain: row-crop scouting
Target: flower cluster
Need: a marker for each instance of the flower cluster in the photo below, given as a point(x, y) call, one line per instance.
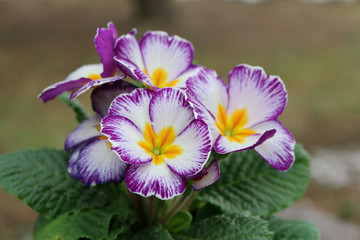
point(160, 136)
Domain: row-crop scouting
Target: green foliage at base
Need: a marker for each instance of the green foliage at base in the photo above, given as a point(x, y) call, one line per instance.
point(230, 209)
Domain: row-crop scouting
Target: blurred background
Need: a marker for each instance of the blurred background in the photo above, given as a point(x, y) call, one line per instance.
point(313, 45)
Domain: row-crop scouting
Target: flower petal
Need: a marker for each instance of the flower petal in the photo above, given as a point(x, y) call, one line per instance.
point(86, 130)
point(172, 54)
point(224, 145)
point(94, 83)
point(127, 48)
point(124, 136)
point(86, 71)
point(99, 164)
point(132, 71)
point(74, 80)
point(169, 108)
point(104, 43)
point(185, 75)
point(195, 142)
point(278, 151)
point(263, 96)
point(207, 88)
point(150, 179)
point(102, 96)
point(74, 157)
point(134, 106)
point(58, 88)
point(213, 174)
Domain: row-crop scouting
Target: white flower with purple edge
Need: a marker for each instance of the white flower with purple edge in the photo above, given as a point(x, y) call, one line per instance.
point(92, 161)
point(157, 134)
point(91, 75)
point(158, 60)
point(243, 114)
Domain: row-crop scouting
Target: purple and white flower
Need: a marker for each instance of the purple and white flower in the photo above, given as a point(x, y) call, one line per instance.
point(243, 114)
point(158, 60)
point(92, 161)
point(92, 75)
point(157, 134)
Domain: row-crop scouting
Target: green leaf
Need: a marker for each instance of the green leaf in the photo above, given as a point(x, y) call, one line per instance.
point(228, 226)
point(179, 222)
point(92, 224)
point(247, 182)
point(293, 229)
point(104, 223)
point(156, 232)
point(40, 179)
point(81, 113)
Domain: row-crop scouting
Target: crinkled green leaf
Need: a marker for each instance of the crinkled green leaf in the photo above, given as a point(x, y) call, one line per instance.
point(247, 182)
point(81, 113)
point(100, 223)
point(293, 229)
point(156, 232)
point(179, 222)
point(40, 179)
point(228, 226)
point(91, 224)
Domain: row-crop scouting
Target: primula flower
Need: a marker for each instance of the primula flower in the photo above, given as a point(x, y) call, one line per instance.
point(158, 60)
point(90, 75)
point(243, 114)
point(91, 160)
point(158, 135)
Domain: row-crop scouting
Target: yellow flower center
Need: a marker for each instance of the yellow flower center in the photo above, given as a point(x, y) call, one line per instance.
point(233, 127)
point(159, 78)
point(160, 146)
point(94, 76)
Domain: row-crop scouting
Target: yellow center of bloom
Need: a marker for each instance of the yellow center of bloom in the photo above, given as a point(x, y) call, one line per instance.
point(159, 78)
point(94, 76)
point(160, 146)
point(233, 127)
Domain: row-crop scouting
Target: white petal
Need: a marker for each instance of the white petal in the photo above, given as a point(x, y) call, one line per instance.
point(170, 108)
point(149, 179)
point(278, 151)
point(99, 164)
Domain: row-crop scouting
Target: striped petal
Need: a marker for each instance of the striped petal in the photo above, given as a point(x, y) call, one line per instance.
point(104, 43)
point(127, 48)
point(124, 136)
point(74, 157)
point(94, 83)
point(165, 57)
point(149, 179)
point(208, 90)
point(195, 143)
point(102, 96)
point(211, 176)
point(134, 106)
point(225, 144)
point(86, 130)
point(278, 150)
point(133, 71)
point(263, 96)
point(170, 108)
point(98, 164)
point(74, 80)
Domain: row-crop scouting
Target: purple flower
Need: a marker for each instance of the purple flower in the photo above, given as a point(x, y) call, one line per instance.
point(88, 76)
point(158, 60)
point(158, 135)
point(92, 161)
point(243, 114)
